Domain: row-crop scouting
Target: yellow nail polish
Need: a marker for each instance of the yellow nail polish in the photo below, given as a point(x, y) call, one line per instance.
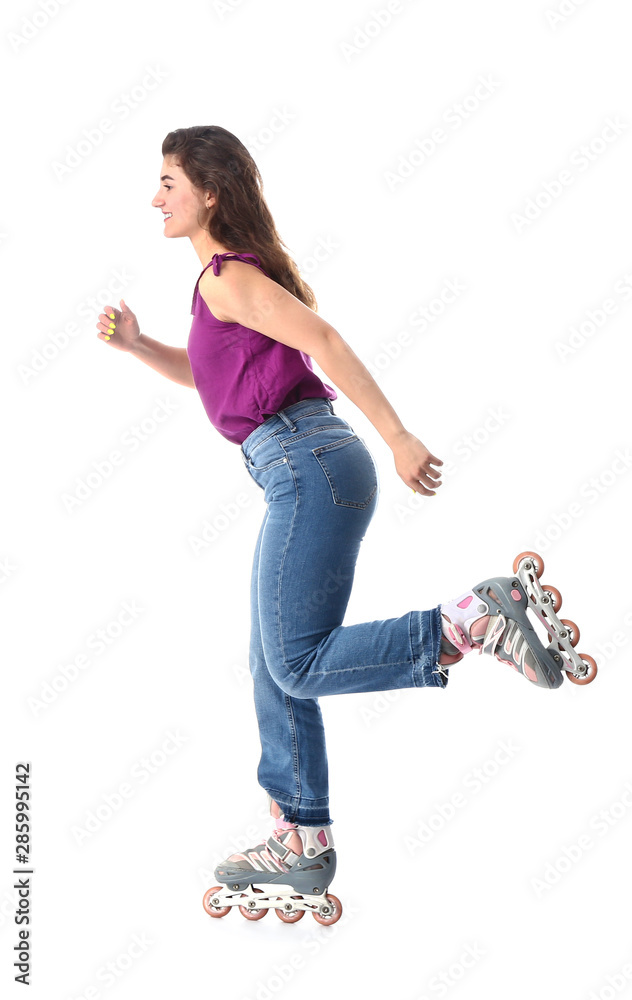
point(111, 315)
point(112, 326)
point(107, 336)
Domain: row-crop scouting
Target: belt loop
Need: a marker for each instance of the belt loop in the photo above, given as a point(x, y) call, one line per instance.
point(287, 420)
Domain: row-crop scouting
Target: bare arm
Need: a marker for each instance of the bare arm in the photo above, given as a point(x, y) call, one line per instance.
point(172, 362)
point(336, 358)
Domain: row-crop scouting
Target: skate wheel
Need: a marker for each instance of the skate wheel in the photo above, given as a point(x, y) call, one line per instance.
point(555, 595)
point(252, 914)
point(537, 560)
point(590, 674)
point(336, 911)
point(570, 627)
point(289, 916)
point(214, 911)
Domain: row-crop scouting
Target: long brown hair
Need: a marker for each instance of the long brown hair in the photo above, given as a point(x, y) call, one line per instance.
point(215, 160)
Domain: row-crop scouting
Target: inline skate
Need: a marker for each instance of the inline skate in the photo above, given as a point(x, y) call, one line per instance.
point(509, 635)
point(271, 876)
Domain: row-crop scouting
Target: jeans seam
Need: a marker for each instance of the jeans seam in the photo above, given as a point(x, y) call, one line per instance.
point(346, 670)
point(276, 794)
point(439, 676)
point(295, 747)
point(416, 666)
point(304, 434)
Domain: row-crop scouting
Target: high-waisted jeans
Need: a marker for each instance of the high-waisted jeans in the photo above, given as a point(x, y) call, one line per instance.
point(321, 490)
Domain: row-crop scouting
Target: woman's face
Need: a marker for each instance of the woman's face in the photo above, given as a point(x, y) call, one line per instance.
point(176, 195)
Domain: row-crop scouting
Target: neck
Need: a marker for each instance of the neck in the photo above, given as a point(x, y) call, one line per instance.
point(205, 246)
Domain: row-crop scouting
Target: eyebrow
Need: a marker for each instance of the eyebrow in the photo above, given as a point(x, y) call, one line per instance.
point(166, 177)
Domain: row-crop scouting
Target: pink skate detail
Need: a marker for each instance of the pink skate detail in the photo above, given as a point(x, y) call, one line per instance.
point(465, 603)
point(282, 824)
point(517, 596)
point(323, 838)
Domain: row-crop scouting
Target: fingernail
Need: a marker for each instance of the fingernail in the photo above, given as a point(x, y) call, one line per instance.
point(111, 315)
point(107, 336)
point(112, 326)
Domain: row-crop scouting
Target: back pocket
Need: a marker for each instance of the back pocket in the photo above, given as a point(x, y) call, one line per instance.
point(350, 471)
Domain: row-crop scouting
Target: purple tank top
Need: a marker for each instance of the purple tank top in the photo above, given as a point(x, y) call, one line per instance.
point(242, 376)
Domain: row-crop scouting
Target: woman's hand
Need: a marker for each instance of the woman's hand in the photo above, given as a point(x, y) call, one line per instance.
point(414, 462)
point(126, 330)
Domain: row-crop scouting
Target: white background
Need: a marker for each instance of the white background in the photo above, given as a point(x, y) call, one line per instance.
point(530, 871)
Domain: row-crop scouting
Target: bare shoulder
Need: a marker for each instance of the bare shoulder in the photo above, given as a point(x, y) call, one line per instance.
point(243, 294)
point(237, 280)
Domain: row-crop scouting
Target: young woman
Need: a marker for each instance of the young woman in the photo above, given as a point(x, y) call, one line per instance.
point(254, 332)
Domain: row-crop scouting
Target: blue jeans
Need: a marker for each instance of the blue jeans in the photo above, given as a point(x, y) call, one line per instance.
point(321, 490)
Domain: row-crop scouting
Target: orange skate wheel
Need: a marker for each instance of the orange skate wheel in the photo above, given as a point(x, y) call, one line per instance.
point(332, 917)
point(252, 913)
point(537, 560)
point(572, 628)
point(589, 676)
point(214, 911)
point(556, 597)
point(289, 916)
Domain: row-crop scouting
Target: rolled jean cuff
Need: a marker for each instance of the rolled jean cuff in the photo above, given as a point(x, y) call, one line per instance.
point(309, 812)
point(425, 639)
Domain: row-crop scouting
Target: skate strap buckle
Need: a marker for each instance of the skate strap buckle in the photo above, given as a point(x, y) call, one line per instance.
point(282, 852)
